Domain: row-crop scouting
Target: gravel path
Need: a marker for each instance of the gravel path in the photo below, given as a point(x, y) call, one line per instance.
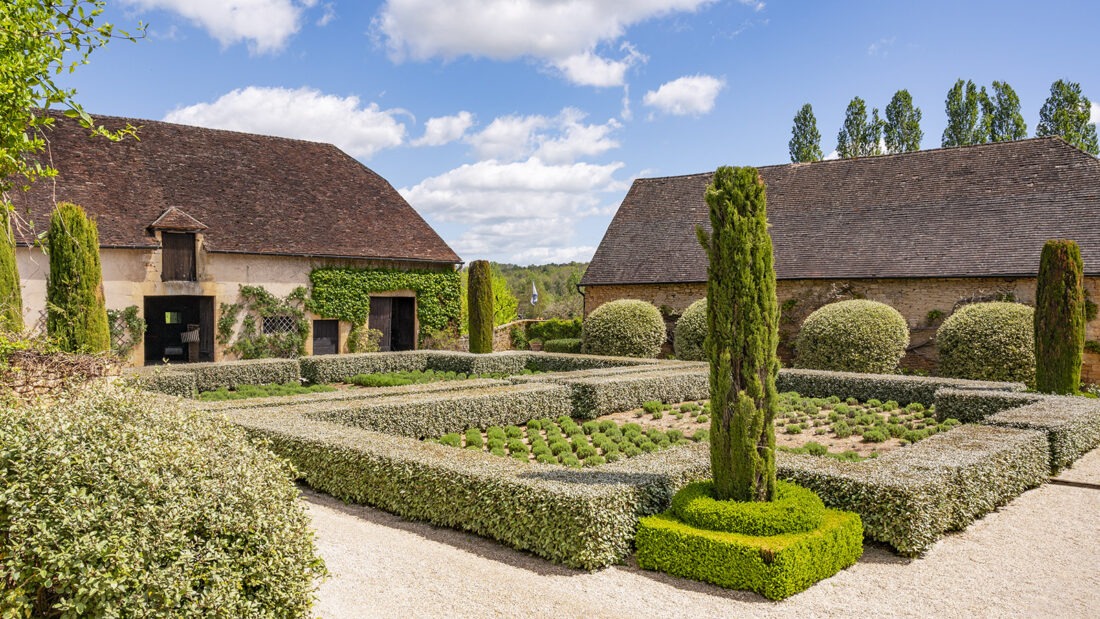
point(1037, 557)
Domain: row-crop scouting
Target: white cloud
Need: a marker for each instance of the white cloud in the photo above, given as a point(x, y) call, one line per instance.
point(444, 129)
point(328, 15)
point(564, 34)
point(689, 95)
point(265, 24)
point(834, 154)
point(881, 47)
point(560, 139)
point(1094, 113)
point(302, 113)
point(755, 5)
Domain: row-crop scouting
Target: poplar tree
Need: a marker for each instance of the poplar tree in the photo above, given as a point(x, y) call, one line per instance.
point(742, 335)
point(1067, 113)
point(805, 144)
point(1059, 318)
point(1001, 117)
point(859, 137)
point(964, 105)
point(11, 298)
point(480, 301)
point(902, 130)
point(75, 313)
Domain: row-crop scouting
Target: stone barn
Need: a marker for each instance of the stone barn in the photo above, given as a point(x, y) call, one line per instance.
point(924, 232)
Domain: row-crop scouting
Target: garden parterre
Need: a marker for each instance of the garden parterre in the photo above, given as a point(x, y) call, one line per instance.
point(586, 518)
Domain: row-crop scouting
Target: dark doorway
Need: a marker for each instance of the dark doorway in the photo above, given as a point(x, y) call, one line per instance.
point(326, 337)
point(167, 318)
point(395, 317)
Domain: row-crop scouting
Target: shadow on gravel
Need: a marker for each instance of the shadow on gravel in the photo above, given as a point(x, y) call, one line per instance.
point(469, 542)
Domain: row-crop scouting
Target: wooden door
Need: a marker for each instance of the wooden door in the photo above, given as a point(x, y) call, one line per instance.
point(381, 318)
point(326, 337)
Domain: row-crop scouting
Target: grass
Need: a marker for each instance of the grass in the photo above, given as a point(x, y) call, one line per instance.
point(564, 441)
point(397, 379)
point(261, 391)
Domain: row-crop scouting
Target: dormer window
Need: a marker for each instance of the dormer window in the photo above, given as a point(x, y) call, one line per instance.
point(178, 245)
point(178, 255)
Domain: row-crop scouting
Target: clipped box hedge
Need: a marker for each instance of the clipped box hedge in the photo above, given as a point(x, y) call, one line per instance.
point(563, 362)
point(231, 374)
point(775, 567)
point(902, 389)
point(601, 395)
point(564, 345)
point(910, 497)
point(470, 363)
point(580, 518)
point(365, 393)
point(325, 369)
point(163, 380)
point(433, 414)
point(973, 406)
point(1071, 425)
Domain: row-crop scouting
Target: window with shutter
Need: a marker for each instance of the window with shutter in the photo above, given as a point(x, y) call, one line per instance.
point(178, 255)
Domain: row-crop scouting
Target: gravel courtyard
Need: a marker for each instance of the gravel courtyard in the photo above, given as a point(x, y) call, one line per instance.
point(1037, 557)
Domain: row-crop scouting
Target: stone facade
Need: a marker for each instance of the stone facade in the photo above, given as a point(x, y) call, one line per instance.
point(130, 275)
point(923, 302)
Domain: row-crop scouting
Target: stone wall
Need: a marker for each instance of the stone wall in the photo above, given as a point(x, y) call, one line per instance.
point(28, 375)
point(923, 302)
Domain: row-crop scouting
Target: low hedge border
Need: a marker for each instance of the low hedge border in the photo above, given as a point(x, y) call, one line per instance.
point(470, 363)
point(902, 389)
point(604, 394)
point(323, 369)
point(564, 345)
point(367, 393)
point(433, 414)
point(972, 406)
point(910, 497)
point(776, 567)
point(582, 519)
point(1071, 425)
point(162, 380)
point(231, 374)
point(563, 362)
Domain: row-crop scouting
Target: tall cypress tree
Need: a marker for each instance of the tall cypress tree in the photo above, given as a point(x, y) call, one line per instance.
point(805, 144)
point(75, 312)
point(1059, 318)
point(742, 335)
point(480, 302)
point(11, 297)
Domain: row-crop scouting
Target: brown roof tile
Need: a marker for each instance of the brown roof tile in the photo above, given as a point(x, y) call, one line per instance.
point(176, 219)
point(957, 212)
point(256, 194)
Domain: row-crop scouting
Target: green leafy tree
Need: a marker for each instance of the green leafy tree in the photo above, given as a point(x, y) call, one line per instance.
point(480, 301)
point(75, 314)
point(742, 336)
point(859, 137)
point(964, 106)
point(1066, 113)
point(40, 39)
point(11, 298)
point(1001, 117)
point(1059, 318)
point(805, 144)
point(902, 129)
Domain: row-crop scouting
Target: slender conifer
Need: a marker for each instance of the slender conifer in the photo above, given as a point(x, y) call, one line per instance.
point(1059, 318)
point(75, 314)
point(480, 301)
point(11, 297)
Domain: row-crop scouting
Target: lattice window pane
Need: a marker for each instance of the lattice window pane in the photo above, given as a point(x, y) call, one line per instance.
point(279, 324)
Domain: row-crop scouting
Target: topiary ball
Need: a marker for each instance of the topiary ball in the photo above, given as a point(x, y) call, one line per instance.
point(988, 341)
point(853, 336)
point(624, 328)
point(691, 331)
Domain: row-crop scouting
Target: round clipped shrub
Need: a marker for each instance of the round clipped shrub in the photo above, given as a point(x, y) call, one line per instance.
point(794, 510)
point(988, 341)
point(853, 336)
point(115, 504)
point(690, 332)
point(624, 328)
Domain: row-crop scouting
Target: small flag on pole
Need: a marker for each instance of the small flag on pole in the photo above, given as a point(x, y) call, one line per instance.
point(534, 294)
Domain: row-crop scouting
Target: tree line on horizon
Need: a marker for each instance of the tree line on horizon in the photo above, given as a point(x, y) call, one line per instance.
point(974, 116)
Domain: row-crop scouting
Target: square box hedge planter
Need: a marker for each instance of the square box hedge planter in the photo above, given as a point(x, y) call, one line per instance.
point(775, 567)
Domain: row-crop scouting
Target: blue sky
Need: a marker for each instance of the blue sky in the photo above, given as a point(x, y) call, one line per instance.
point(516, 126)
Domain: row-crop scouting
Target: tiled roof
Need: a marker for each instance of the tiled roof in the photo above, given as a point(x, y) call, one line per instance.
point(956, 212)
point(255, 194)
